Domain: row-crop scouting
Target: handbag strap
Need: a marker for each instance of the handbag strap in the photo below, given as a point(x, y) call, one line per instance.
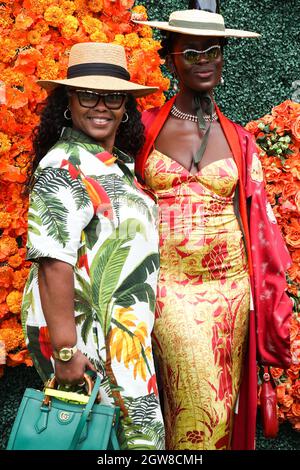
point(85, 414)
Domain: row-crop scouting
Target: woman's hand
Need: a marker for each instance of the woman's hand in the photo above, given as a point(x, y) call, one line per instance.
point(71, 372)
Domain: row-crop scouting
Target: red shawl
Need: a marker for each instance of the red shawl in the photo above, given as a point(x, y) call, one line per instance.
point(268, 259)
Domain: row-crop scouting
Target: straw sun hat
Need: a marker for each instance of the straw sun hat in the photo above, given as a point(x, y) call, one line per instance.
point(99, 66)
point(198, 23)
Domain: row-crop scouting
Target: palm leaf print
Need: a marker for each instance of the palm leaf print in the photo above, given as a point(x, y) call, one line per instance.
point(107, 266)
point(53, 179)
point(135, 200)
point(135, 286)
point(143, 411)
point(53, 215)
point(71, 150)
point(28, 297)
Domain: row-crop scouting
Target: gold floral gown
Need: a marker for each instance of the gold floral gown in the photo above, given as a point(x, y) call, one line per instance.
point(203, 301)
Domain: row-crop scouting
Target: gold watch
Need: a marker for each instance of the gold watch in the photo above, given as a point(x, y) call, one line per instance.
point(65, 354)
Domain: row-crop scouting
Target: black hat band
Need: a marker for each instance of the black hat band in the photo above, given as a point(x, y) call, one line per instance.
point(109, 70)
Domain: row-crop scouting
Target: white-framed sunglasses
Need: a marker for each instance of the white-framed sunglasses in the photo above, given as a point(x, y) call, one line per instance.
point(192, 56)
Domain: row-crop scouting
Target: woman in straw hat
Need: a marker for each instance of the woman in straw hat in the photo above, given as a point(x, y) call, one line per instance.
point(89, 300)
point(208, 179)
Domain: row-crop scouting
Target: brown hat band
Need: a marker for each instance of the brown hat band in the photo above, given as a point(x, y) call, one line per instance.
point(110, 70)
point(196, 25)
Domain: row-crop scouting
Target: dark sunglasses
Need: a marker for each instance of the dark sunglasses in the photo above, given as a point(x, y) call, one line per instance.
point(191, 56)
point(90, 99)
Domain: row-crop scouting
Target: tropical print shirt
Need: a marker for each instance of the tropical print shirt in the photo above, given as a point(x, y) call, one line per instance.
point(87, 209)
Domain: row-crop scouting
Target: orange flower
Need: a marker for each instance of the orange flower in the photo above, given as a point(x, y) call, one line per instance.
point(69, 27)
point(19, 278)
point(23, 21)
point(296, 409)
point(95, 5)
point(13, 338)
point(8, 247)
point(293, 233)
point(54, 16)
point(15, 261)
point(280, 391)
point(5, 143)
point(5, 220)
point(296, 128)
point(14, 301)
point(68, 7)
point(6, 274)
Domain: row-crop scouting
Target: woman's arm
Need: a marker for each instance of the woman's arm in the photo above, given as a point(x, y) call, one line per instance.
point(56, 286)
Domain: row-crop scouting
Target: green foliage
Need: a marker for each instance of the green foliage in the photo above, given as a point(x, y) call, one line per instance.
point(258, 74)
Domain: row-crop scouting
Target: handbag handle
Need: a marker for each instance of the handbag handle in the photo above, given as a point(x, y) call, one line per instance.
point(85, 413)
point(52, 382)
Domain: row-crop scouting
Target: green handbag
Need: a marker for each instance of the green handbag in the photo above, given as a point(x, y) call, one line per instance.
point(44, 422)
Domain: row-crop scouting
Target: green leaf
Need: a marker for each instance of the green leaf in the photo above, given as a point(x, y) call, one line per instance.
point(107, 266)
point(53, 215)
point(143, 292)
point(91, 233)
point(71, 150)
point(140, 273)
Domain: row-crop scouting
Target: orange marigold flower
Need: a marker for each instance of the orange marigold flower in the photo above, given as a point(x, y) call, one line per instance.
point(70, 26)
point(132, 40)
point(149, 44)
point(5, 220)
point(139, 13)
point(119, 39)
point(95, 5)
point(8, 50)
point(68, 7)
point(13, 338)
point(6, 275)
point(23, 21)
point(91, 25)
point(48, 69)
point(15, 261)
point(34, 37)
point(98, 36)
point(14, 301)
point(5, 143)
point(5, 20)
point(8, 247)
point(54, 16)
point(145, 31)
point(19, 278)
point(81, 6)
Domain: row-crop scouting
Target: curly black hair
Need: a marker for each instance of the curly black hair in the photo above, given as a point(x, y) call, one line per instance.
point(129, 138)
point(168, 40)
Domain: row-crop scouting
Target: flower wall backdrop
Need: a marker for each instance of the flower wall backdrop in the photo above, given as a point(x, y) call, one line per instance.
point(36, 36)
point(278, 137)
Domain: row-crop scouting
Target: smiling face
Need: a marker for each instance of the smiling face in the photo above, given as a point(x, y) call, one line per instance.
point(100, 123)
point(200, 77)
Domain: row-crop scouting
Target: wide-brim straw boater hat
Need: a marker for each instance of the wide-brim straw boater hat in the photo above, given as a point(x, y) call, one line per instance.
point(101, 67)
point(198, 23)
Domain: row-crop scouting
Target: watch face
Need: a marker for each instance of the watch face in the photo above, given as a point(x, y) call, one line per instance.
point(65, 354)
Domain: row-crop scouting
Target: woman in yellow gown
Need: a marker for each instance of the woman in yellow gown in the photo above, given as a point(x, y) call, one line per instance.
point(194, 161)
